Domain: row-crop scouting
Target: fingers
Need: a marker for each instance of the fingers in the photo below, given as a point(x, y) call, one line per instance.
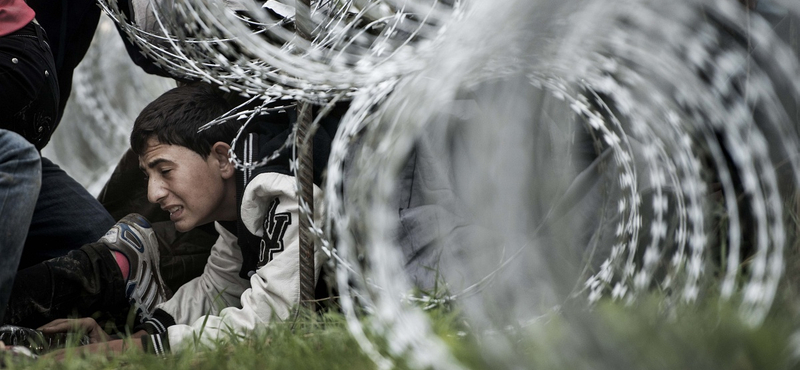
point(66, 325)
point(86, 326)
point(57, 326)
point(115, 346)
point(97, 335)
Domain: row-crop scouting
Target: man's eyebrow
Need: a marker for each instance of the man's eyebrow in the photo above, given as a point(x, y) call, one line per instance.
point(155, 162)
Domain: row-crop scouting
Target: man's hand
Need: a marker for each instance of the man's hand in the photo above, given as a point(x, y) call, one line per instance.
point(109, 348)
point(99, 341)
point(86, 326)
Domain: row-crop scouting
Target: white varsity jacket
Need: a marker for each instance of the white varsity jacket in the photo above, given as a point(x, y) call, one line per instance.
point(220, 302)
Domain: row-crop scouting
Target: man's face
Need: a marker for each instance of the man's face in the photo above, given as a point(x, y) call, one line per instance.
point(192, 189)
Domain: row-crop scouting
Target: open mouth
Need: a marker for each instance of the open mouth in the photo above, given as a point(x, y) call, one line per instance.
point(175, 212)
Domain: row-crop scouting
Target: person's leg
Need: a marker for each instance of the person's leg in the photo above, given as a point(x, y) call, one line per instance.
point(71, 26)
point(20, 172)
point(66, 217)
point(84, 281)
point(89, 279)
point(29, 92)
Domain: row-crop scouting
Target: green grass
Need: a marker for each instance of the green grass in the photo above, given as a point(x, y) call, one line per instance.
point(648, 334)
point(644, 335)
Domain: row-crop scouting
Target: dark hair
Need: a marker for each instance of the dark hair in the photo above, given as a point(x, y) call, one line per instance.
point(174, 117)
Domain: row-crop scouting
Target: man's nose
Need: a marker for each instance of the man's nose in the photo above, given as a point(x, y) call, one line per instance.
point(156, 190)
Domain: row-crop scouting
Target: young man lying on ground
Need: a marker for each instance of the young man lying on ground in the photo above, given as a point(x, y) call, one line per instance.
point(252, 275)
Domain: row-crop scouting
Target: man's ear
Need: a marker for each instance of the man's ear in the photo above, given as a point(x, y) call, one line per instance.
point(220, 151)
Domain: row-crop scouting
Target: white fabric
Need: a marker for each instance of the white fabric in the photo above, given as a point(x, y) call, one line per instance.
point(281, 7)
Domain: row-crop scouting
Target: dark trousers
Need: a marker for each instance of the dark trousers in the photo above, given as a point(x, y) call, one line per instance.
point(70, 24)
point(85, 281)
point(28, 86)
point(65, 218)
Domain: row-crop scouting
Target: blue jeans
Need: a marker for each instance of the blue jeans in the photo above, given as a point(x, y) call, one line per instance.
point(20, 180)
